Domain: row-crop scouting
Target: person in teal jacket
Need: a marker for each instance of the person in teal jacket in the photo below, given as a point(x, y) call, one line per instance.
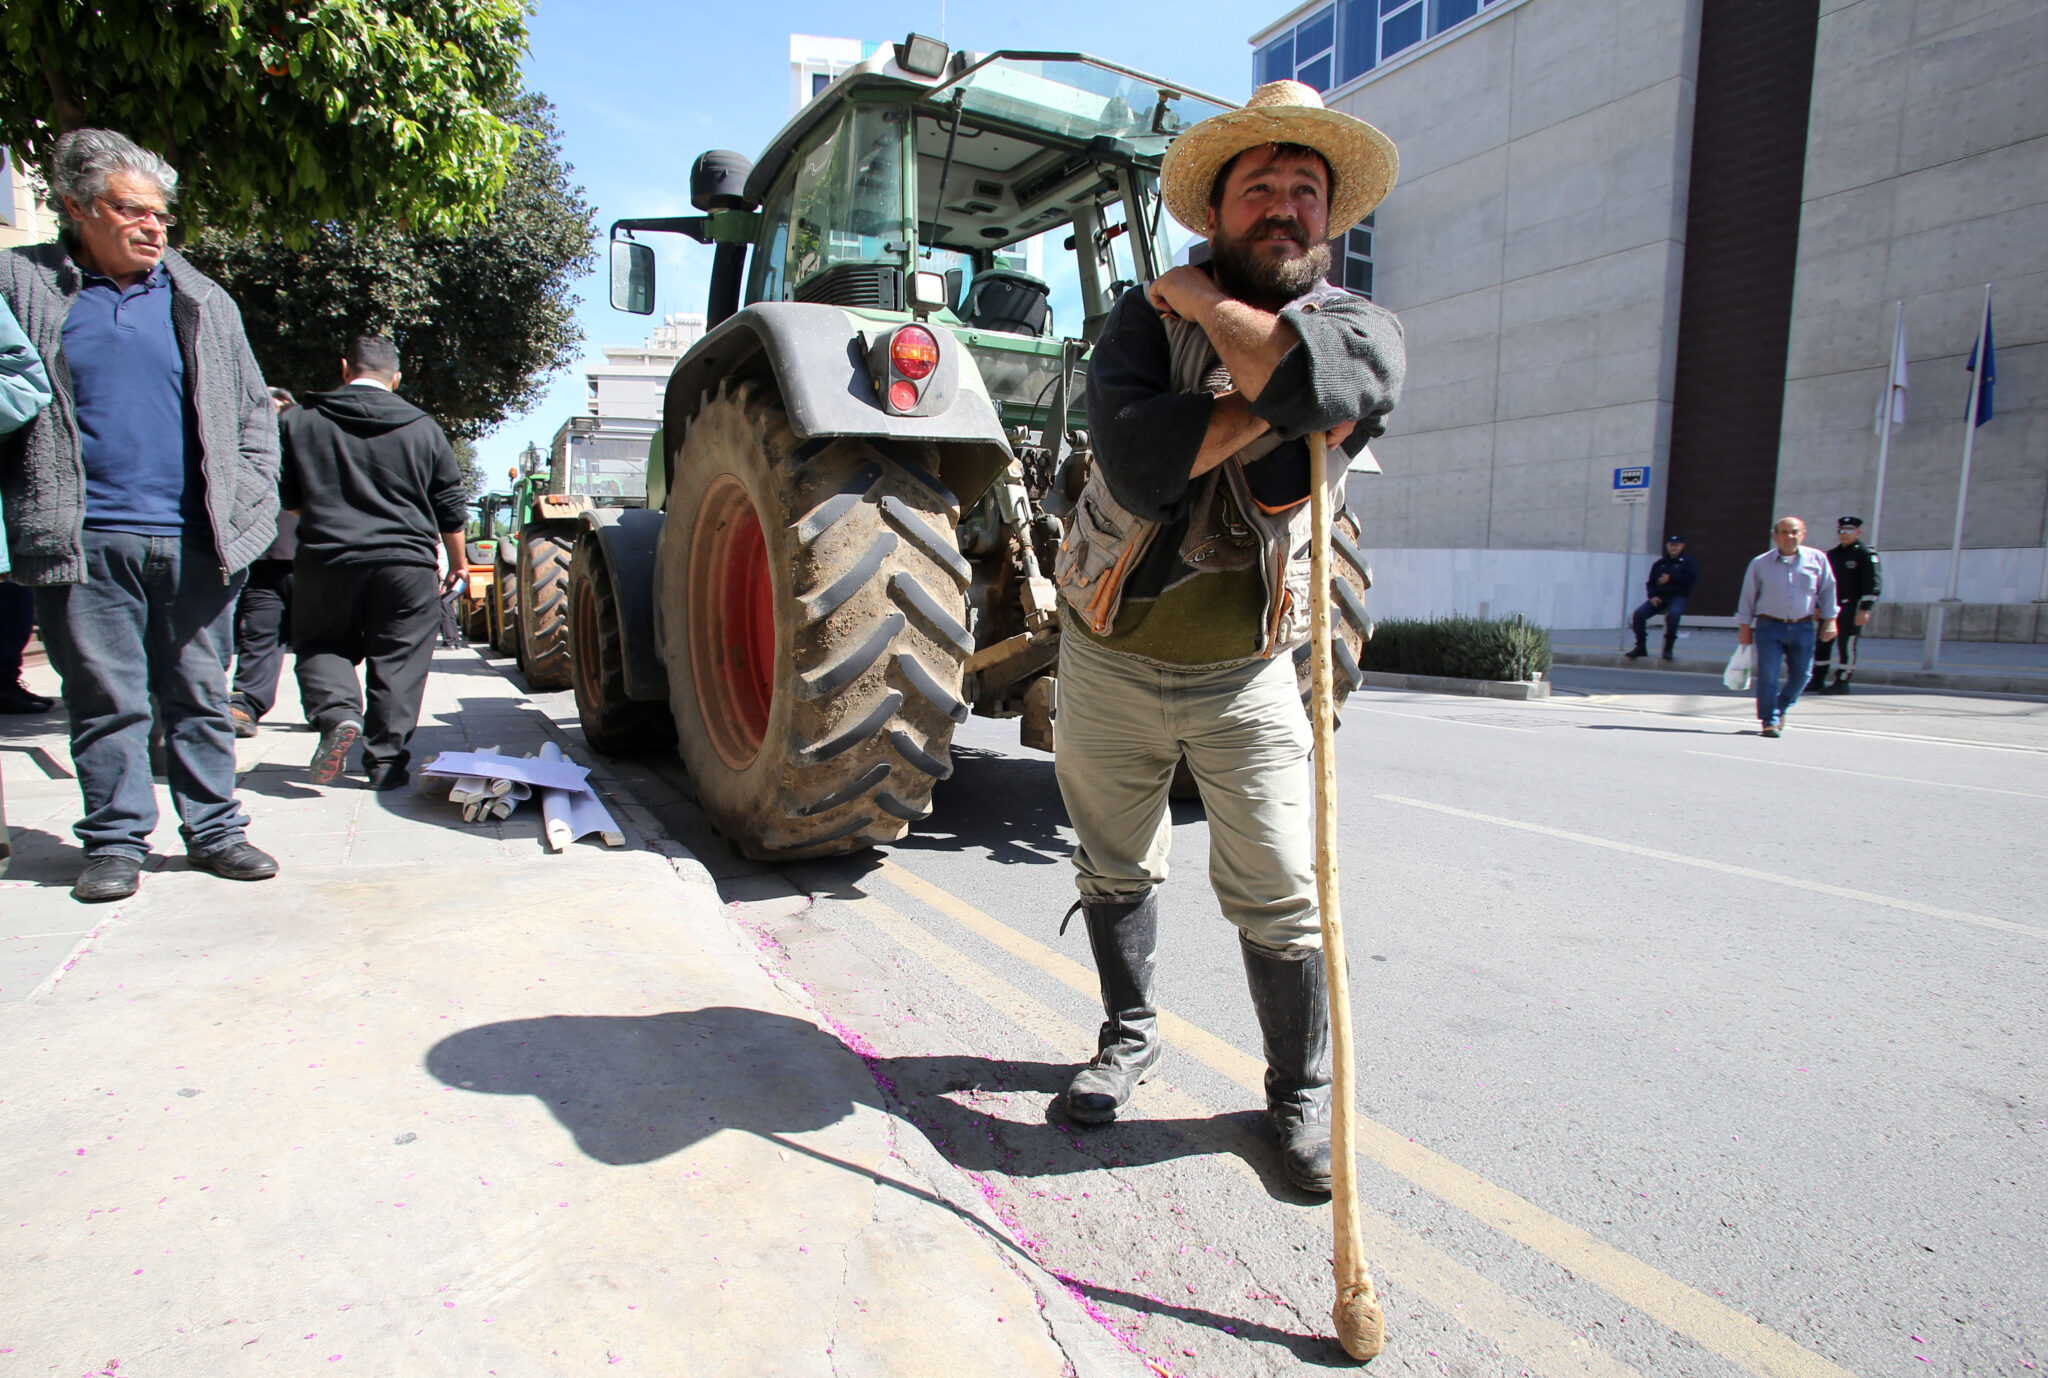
point(24, 391)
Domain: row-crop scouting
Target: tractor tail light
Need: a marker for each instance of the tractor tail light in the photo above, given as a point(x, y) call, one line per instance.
point(902, 395)
point(914, 353)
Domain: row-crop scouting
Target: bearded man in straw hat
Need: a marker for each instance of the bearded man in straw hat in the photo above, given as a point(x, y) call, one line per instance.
point(1186, 576)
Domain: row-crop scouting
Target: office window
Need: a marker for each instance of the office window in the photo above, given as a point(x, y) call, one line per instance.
point(1306, 53)
point(1341, 42)
point(1354, 265)
point(1400, 25)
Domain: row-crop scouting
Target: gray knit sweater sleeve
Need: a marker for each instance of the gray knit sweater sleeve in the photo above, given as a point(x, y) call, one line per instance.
point(1349, 366)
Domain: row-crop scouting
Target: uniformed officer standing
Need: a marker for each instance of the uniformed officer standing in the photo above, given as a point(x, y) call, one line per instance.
point(1859, 579)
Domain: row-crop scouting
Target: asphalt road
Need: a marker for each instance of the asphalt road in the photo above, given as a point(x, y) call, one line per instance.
point(1682, 1051)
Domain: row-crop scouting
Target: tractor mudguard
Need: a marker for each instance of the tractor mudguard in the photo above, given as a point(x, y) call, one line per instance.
point(628, 537)
point(816, 357)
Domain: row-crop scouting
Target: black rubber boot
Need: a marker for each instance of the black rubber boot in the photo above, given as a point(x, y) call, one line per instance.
point(1125, 937)
point(1292, 1000)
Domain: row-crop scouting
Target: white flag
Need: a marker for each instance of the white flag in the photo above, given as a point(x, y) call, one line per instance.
point(1895, 384)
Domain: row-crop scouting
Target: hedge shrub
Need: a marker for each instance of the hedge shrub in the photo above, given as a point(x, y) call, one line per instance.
point(1459, 648)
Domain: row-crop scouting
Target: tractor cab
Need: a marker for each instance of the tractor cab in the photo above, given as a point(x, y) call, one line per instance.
point(1008, 197)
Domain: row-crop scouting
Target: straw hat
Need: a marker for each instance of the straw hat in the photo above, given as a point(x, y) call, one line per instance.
point(1362, 160)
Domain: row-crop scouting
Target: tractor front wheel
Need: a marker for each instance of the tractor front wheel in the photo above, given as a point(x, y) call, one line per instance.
point(613, 722)
point(813, 623)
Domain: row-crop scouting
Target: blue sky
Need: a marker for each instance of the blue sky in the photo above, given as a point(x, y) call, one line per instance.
point(641, 89)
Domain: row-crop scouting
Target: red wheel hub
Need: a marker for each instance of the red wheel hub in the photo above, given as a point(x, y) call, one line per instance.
point(732, 623)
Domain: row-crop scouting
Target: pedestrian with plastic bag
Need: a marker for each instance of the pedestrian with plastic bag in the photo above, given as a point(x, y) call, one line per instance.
point(1788, 597)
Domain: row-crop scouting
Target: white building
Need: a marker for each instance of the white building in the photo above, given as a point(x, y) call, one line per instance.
point(815, 61)
point(630, 381)
point(25, 218)
point(1673, 233)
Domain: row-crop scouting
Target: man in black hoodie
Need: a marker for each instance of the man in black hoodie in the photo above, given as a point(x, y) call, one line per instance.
point(375, 485)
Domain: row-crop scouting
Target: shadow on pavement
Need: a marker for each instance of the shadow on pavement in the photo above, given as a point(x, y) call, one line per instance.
point(636, 1088)
point(276, 780)
point(43, 859)
point(1006, 806)
point(633, 1089)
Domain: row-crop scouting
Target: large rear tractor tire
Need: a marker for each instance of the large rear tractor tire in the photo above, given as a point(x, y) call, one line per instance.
point(1350, 624)
point(812, 619)
point(544, 606)
point(612, 722)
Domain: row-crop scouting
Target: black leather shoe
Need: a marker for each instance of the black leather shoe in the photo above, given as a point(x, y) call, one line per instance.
point(387, 777)
point(108, 876)
point(332, 753)
point(18, 698)
point(235, 860)
point(1638, 653)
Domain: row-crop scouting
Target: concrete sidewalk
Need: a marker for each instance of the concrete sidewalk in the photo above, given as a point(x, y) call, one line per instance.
point(438, 1101)
point(1974, 667)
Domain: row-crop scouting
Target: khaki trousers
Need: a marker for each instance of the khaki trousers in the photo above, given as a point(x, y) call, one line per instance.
point(1123, 726)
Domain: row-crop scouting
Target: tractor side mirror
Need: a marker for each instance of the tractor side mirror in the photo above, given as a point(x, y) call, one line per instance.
point(632, 277)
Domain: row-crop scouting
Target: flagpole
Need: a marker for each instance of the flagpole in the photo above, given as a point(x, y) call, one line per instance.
point(1955, 548)
point(1884, 432)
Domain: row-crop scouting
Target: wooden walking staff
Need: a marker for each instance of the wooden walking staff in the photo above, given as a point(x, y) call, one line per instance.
point(1360, 1327)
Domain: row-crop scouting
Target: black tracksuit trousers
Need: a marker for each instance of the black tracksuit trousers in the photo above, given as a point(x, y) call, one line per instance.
point(263, 633)
point(382, 617)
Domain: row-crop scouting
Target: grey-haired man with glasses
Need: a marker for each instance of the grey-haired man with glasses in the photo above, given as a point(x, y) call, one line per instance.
point(134, 503)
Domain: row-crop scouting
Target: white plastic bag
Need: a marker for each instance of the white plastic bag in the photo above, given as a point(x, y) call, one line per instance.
point(1740, 666)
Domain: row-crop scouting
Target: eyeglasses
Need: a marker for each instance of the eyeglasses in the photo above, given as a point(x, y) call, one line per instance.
point(128, 210)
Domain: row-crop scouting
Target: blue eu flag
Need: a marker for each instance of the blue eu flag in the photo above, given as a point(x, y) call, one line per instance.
point(1983, 380)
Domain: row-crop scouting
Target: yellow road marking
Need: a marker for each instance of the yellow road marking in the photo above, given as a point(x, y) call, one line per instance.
point(1488, 1310)
point(1729, 869)
point(1684, 1309)
point(1864, 774)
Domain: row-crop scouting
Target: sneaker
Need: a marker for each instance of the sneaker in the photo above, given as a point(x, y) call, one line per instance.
point(19, 698)
point(1770, 729)
point(108, 876)
point(236, 860)
point(332, 754)
point(245, 722)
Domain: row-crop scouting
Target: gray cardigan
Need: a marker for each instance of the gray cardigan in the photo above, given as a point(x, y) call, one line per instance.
point(42, 473)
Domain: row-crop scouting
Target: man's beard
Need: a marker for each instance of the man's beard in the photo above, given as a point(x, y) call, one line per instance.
point(1250, 275)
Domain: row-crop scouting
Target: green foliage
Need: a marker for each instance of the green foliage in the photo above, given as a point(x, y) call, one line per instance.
point(280, 113)
point(466, 465)
point(1459, 648)
point(481, 317)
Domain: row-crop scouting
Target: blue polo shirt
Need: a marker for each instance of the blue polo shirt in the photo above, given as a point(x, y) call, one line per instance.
point(137, 428)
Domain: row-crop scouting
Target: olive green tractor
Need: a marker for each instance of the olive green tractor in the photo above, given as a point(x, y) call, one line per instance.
point(866, 464)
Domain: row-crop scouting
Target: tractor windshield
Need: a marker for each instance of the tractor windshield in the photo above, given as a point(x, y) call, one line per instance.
point(603, 467)
point(1077, 99)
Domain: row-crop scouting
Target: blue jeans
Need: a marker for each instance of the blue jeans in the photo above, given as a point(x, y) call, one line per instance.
point(1673, 609)
point(153, 617)
point(1784, 659)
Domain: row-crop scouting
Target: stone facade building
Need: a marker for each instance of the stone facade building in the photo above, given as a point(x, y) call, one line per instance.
point(1674, 233)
